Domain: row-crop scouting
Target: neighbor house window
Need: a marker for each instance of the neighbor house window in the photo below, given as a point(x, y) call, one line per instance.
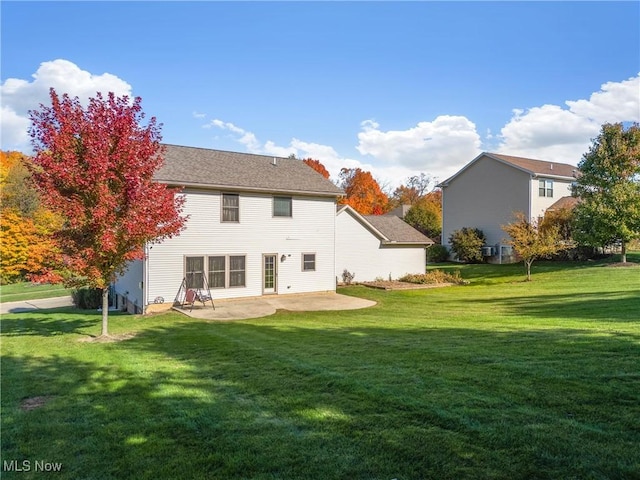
point(194, 268)
point(545, 188)
point(230, 207)
point(217, 272)
point(281, 206)
point(308, 262)
point(237, 271)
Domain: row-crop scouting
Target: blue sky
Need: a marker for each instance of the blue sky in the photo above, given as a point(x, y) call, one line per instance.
point(397, 88)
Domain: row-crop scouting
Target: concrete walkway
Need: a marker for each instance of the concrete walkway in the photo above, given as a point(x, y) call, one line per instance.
point(30, 305)
point(263, 306)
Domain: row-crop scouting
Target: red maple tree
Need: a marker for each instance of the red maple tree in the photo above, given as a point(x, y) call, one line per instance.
point(95, 167)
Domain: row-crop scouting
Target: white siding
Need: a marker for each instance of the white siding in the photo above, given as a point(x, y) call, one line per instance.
point(359, 251)
point(311, 229)
point(129, 284)
point(540, 204)
point(485, 196)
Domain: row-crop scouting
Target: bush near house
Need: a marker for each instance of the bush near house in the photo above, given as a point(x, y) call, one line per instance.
point(437, 254)
point(467, 243)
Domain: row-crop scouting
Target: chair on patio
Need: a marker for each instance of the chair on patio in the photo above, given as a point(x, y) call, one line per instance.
point(197, 295)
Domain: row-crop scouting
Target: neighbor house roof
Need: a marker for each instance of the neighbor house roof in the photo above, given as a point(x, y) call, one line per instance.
point(565, 203)
point(541, 168)
point(201, 167)
point(391, 230)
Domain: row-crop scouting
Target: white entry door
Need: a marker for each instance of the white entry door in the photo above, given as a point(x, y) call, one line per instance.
point(269, 273)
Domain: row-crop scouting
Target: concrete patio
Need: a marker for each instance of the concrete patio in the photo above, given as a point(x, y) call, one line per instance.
point(257, 307)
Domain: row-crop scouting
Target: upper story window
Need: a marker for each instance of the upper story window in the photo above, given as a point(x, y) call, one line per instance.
point(230, 207)
point(282, 207)
point(545, 188)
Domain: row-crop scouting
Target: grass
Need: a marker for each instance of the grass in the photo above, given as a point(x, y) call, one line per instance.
point(15, 292)
point(499, 379)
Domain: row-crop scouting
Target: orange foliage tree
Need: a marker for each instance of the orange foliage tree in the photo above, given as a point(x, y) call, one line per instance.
point(317, 166)
point(363, 193)
point(27, 248)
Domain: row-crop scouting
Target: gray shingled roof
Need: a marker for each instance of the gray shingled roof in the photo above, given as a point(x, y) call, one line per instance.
point(396, 229)
point(531, 166)
point(539, 167)
point(191, 166)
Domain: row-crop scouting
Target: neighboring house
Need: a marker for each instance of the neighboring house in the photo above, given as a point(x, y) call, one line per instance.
point(377, 246)
point(258, 225)
point(487, 191)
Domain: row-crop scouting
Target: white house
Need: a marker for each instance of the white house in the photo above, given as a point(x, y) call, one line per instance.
point(257, 225)
point(377, 246)
point(487, 191)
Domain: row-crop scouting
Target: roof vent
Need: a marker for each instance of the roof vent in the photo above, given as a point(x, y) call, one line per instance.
point(551, 166)
point(275, 161)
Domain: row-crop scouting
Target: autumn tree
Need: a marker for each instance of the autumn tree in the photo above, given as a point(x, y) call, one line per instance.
point(317, 166)
point(415, 189)
point(609, 188)
point(26, 247)
point(95, 167)
point(363, 193)
point(16, 189)
point(531, 242)
point(426, 214)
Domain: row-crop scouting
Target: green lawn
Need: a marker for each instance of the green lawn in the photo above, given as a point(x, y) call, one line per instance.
point(499, 379)
point(15, 292)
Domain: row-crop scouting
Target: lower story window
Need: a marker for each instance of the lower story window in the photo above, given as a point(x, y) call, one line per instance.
point(223, 271)
point(308, 262)
point(217, 272)
point(194, 272)
point(237, 271)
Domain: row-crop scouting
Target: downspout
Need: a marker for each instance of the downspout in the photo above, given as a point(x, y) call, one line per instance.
point(145, 278)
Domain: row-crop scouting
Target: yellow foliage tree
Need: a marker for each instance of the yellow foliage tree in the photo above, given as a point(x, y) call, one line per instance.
point(531, 242)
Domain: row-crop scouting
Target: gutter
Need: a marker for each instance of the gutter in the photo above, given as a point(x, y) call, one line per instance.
point(239, 188)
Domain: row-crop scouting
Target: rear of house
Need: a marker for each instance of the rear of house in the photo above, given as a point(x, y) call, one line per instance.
point(257, 226)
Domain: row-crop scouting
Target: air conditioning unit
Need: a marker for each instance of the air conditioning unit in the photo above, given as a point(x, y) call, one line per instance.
point(507, 250)
point(487, 251)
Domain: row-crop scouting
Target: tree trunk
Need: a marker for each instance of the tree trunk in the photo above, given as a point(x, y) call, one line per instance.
point(528, 265)
point(623, 252)
point(105, 311)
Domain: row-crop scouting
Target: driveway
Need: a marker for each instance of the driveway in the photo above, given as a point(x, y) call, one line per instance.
point(30, 305)
point(263, 306)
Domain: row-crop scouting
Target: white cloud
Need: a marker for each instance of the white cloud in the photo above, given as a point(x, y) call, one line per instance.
point(439, 147)
point(388, 175)
point(19, 96)
point(551, 132)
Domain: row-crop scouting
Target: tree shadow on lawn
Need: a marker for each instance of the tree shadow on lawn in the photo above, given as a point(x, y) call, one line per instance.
point(48, 322)
point(267, 400)
point(623, 306)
